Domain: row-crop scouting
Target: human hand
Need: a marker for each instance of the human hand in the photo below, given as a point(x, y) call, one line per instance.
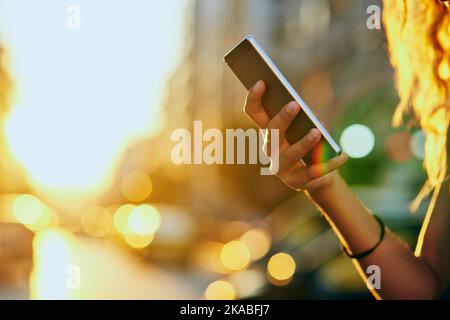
point(291, 170)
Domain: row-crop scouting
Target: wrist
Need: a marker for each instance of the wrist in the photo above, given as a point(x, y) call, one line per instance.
point(329, 188)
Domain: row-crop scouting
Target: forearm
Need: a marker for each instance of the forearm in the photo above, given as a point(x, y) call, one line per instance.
point(403, 276)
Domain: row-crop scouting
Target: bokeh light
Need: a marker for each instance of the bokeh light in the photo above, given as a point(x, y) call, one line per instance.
point(136, 186)
point(138, 241)
point(235, 255)
point(398, 146)
point(32, 212)
point(144, 220)
point(121, 218)
point(281, 268)
point(357, 141)
point(258, 241)
point(220, 290)
point(96, 221)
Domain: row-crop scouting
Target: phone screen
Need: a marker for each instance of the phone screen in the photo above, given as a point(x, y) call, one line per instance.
point(249, 66)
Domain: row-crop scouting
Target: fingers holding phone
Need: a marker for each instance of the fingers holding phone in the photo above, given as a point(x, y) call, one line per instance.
point(253, 105)
point(269, 92)
point(291, 170)
point(301, 177)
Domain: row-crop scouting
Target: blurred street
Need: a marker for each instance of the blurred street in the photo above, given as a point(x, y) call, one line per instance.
point(91, 205)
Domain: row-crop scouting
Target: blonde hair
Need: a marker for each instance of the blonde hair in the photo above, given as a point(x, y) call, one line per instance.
point(418, 34)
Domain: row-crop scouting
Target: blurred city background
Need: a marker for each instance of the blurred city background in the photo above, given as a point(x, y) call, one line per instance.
point(91, 205)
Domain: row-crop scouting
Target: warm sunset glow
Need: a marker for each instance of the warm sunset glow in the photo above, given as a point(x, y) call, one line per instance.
point(132, 166)
point(70, 131)
point(51, 258)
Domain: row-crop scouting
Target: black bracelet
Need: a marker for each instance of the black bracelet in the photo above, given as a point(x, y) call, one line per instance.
point(366, 253)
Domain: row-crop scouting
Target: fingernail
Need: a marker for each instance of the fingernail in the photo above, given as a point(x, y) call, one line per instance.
point(312, 135)
point(257, 85)
point(292, 107)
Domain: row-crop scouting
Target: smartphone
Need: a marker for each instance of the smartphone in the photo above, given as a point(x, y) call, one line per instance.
point(250, 63)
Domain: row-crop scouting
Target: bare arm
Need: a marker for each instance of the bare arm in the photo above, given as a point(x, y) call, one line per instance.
point(403, 275)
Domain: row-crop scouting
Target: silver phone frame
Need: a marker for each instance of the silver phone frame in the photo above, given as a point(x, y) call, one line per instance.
point(291, 91)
